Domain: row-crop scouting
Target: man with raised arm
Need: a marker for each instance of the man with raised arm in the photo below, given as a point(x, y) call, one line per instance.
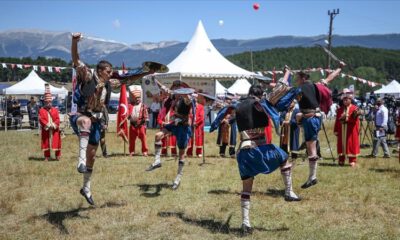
point(90, 95)
point(184, 107)
point(314, 97)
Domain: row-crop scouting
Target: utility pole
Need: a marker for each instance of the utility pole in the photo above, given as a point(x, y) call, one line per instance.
point(331, 16)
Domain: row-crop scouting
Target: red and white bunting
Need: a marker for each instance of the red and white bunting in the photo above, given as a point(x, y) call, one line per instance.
point(343, 75)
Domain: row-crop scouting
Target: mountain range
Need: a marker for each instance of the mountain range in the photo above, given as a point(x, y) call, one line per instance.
point(34, 43)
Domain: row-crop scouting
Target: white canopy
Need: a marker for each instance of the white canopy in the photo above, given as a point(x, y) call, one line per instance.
point(393, 88)
point(201, 59)
point(240, 87)
point(32, 85)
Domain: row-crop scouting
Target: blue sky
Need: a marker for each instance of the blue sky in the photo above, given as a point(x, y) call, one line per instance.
point(153, 21)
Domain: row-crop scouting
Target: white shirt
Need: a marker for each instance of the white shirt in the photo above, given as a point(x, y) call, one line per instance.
point(155, 106)
point(381, 116)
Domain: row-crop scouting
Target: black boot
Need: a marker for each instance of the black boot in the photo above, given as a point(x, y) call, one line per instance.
point(222, 149)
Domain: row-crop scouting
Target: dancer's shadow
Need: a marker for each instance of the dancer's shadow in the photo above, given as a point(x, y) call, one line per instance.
point(214, 226)
point(275, 193)
point(57, 218)
point(150, 190)
point(385, 170)
point(329, 164)
point(34, 158)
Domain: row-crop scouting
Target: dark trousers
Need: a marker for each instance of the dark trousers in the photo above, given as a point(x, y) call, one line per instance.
point(154, 119)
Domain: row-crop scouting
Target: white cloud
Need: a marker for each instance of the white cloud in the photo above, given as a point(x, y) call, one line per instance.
point(116, 23)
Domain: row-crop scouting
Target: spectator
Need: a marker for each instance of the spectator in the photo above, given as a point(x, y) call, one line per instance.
point(347, 128)
point(33, 110)
point(381, 119)
point(138, 116)
point(155, 110)
point(16, 113)
point(50, 124)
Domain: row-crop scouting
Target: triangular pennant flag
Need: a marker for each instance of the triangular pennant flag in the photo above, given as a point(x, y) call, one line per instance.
point(27, 66)
point(35, 67)
point(50, 68)
point(4, 65)
point(12, 66)
point(42, 69)
point(20, 66)
point(57, 69)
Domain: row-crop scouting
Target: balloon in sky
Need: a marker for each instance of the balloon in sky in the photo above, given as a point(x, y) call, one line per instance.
point(221, 22)
point(256, 6)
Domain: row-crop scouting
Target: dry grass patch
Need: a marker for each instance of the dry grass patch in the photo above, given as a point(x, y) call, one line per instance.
point(40, 200)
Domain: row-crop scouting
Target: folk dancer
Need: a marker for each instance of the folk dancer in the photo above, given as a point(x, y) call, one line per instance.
point(138, 118)
point(254, 155)
point(183, 105)
point(49, 120)
point(314, 97)
point(347, 129)
point(90, 97)
point(198, 136)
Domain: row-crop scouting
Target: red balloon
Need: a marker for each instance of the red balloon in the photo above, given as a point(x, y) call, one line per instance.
point(256, 6)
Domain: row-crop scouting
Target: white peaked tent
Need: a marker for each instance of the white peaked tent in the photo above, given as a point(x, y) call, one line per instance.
point(393, 88)
point(32, 85)
point(201, 59)
point(240, 87)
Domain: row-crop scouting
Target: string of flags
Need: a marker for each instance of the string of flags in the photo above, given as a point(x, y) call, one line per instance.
point(322, 71)
point(57, 69)
point(37, 68)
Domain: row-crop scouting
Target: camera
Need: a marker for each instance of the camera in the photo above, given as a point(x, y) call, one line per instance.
point(391, 102)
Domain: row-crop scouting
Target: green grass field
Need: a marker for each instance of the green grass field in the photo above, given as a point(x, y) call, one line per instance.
point(41, 200)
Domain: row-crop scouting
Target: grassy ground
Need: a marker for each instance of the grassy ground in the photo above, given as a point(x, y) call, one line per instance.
point(41, 200)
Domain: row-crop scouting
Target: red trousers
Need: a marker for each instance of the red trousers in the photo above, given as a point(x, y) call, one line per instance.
point(135, 133)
